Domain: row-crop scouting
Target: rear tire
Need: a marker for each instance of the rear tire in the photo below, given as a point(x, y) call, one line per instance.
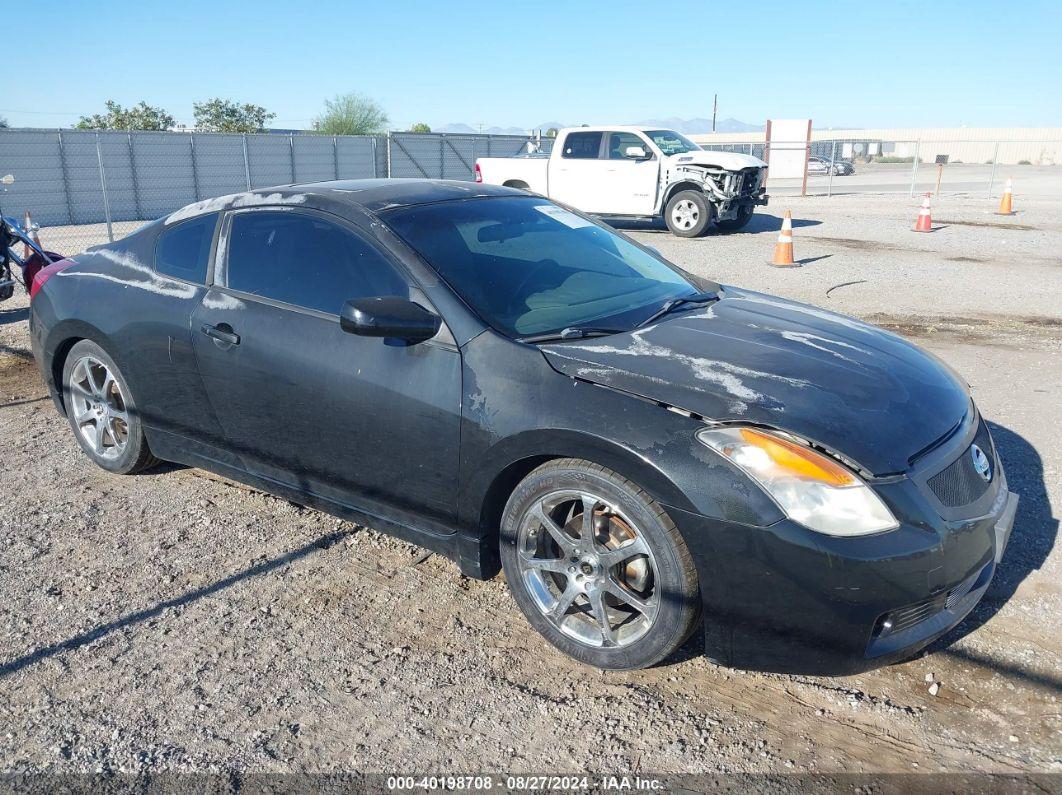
point(618, 591)
point(688, 214)
point(101, 411)
point(744, 215)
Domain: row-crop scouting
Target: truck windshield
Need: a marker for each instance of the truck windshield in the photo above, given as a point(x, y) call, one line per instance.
point(672, 143)
point(528, 266)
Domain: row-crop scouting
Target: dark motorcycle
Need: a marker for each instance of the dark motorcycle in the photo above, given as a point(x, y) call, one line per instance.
point(32, 259)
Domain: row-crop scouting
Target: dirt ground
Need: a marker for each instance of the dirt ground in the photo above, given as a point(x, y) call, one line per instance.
point(176, 621)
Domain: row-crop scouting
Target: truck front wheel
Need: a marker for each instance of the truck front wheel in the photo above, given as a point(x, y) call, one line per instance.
point(744, 215)
point(688, 214)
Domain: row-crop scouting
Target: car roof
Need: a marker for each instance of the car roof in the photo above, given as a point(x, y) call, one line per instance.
point(372, 195)
point(377, 195)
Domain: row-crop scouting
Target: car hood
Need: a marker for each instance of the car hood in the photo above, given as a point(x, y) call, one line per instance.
point(848, 386)
point(732, 161)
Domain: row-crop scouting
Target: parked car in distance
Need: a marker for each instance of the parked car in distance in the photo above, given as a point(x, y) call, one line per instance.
point(510, 383)
point(818, 165)
point(639, 172)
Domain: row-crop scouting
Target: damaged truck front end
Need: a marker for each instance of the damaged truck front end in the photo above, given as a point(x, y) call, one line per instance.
point(732, 191)
point(727, 186)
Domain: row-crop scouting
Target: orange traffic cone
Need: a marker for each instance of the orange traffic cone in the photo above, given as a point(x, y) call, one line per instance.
point(1006, 204)
point(925, 222)
point(783, 249)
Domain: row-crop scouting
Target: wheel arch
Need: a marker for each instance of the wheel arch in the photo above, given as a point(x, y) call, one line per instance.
point(685, 184)
point(516, 183)
point(510, 461)
point(61, 341)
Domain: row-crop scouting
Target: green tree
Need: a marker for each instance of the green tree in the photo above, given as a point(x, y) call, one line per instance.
point(222, 115)
point(420, 127)
point(139, 117)
point(3, 123)
point(551, 132)
point(351, 114)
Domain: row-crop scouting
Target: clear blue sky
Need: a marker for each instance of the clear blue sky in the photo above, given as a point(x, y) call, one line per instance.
point(511, 63)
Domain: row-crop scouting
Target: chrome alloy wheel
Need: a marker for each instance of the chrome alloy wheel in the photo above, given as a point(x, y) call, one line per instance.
point(99, 408)
point(588, 569)
point(685, 214)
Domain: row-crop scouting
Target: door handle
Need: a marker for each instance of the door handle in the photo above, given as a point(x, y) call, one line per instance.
point(223, 333)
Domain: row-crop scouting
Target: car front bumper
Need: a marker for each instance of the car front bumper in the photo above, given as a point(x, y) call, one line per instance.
point(785, 599)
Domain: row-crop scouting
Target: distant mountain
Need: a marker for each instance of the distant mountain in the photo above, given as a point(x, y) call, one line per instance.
point(465, 129)
point(695, 126)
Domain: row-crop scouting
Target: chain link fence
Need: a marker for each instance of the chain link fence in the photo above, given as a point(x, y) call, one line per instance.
point(85, 187)
point(912, 167)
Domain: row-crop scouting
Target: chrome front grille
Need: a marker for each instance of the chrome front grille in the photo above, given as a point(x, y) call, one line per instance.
point(959, 483)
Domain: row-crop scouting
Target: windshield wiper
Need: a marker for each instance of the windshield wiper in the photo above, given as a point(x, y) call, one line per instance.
point(676, 303)
point(573, 333)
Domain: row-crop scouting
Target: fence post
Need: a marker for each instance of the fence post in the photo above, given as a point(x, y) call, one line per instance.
point(103, 188)
point(66, 178)
point(374, 144)
point(442, 158)
point(914, 167)
point(389, 174)
point(992, 176)
point(195, 172)
point(136, 182)
point(335, 156)
point(833, 157)
point(291, 149)
point(246, 163)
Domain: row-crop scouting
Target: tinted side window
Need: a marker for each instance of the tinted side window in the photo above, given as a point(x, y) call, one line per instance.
point(306, 261)
point(184, 250)
point(582, 145)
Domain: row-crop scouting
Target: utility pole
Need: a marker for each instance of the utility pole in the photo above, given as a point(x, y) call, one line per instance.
point(715, 107)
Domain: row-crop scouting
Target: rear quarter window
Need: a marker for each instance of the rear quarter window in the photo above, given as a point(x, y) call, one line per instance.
point(183, 251)
point(582, 145)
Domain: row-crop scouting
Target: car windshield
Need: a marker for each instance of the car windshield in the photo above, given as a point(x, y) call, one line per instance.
point(672, 143)
point(530, 267)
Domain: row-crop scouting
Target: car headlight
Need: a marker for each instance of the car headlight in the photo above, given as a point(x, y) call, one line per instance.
point(809, 487)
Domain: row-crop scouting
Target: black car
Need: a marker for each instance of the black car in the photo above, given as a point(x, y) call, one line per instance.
point(820, 165)
point(500, 379)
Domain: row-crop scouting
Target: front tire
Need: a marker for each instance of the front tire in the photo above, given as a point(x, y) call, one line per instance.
point(101, 411)
point(744, 215)
point(688, 214)
point(597, 566)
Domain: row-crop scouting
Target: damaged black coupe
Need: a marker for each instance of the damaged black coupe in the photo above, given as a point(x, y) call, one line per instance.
point(500, 379)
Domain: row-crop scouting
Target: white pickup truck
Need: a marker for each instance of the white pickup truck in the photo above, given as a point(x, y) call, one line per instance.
point(638, 172)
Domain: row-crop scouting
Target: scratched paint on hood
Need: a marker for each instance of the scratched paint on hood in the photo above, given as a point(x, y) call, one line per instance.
point(748, 358)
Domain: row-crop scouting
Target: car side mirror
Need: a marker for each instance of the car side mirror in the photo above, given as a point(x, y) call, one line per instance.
point(636, 153)
point(389, 316)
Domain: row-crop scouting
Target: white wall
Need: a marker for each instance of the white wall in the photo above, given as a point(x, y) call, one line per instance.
point(1038, 145)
